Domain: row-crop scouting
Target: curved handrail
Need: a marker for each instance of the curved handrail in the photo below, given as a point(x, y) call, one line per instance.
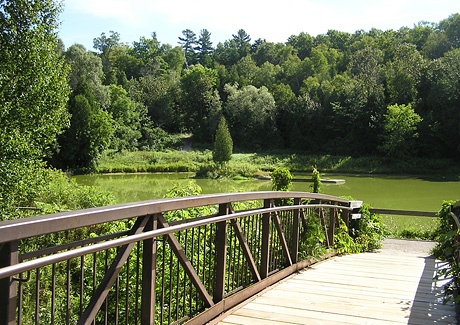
point(40, 225)
point(78, 252)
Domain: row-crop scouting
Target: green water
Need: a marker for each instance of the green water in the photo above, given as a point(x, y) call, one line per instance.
point(380, 192)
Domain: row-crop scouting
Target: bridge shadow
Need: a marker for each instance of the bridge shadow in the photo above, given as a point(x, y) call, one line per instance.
point(430, 306)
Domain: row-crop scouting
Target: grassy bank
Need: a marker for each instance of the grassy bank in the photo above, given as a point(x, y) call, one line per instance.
point(253, 164)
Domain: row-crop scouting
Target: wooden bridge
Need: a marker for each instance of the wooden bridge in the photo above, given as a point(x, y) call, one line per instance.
point(394, 285)
point(193, 260)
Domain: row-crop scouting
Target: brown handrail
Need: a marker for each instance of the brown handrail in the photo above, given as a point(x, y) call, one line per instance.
point(85, 250)
point(40, 225)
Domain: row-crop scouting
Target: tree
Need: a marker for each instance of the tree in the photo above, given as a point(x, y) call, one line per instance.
point(251, 111)
point(200, 102)
point(440, 106)
point(303, 43)
point(188, 43)
point(86, 67)
point(130, 119)
point(243, 42)
point(223, 145)
point(400, 130)
point(90, 133)
point(204, 48)
point(33, 95)
point(105, 45)
point(404, 74)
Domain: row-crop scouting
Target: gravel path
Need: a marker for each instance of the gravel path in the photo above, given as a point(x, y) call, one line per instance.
point(404, 246)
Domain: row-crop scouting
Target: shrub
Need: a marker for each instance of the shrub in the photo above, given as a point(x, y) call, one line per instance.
point(281, 179)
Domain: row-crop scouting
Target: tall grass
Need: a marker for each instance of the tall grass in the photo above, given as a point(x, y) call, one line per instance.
point(410, 227)
point(243, 163)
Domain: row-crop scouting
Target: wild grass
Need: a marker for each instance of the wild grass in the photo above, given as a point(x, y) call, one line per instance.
point(410, 227)
point(243, 164)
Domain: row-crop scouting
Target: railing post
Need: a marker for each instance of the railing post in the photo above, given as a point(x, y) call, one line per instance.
point(8, 286)
point(149, 275)
point(221, 255)
point(265, 249)
point(296, 233)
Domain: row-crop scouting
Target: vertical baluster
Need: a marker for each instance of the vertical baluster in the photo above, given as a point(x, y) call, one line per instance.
point(117, 299)
point(128, 269)
point(332, 221)
point(177, 281)
point(295, 233)
point(20, 300)
point(106, 302)
point(94, 277)
point(230, 261)
point(82, 282)
point(37, 296)
point(53, 293)
point(205, 254)
point(211, 260)
point(170, 289)
point(68, 294)
point(199, 266)
point(138, 273)
point(265, 249)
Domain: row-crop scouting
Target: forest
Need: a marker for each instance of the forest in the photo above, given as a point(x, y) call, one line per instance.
point(388, 93)
point(373, 92)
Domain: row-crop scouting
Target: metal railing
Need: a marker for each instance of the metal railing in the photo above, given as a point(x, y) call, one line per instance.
point(164, 261)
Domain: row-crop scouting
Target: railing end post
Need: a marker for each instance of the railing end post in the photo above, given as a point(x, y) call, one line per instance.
point(8, 286)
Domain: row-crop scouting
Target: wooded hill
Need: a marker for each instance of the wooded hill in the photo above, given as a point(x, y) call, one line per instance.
point(371, 92)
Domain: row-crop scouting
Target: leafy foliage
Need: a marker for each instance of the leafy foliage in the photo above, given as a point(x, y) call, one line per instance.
point(371, 231)
point(281, 179)
point(33, 95)
point(401, 123)
point(448, 248)
point(316, 178)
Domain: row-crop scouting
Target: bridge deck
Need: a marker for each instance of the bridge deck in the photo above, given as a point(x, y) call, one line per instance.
point(387, 287)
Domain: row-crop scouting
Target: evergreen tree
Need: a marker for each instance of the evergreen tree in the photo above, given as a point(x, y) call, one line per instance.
point(188, 43)
point(204, 48)
point(223, 145)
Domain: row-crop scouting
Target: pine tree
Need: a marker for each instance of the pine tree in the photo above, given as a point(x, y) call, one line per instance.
point(223, 145)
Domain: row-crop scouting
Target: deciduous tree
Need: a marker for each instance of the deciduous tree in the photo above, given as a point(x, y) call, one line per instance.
point(33, 95)
point(401, 123)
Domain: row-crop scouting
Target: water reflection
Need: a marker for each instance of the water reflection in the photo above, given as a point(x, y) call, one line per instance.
point(387, 192)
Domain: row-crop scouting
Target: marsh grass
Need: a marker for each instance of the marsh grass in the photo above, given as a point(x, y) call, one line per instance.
point(243, 164)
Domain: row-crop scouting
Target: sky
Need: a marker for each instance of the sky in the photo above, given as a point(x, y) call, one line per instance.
point(84, 20)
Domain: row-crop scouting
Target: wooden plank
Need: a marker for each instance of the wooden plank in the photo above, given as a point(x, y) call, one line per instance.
point(303, 316)
point(368, 288)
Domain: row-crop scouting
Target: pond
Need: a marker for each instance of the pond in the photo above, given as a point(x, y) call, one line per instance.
point(406, 193)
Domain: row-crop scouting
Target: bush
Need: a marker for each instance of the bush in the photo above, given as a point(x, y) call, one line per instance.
point(447, 249)
point(281, 179)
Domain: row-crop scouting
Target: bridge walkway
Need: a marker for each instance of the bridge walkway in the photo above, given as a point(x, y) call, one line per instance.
point(395, 285)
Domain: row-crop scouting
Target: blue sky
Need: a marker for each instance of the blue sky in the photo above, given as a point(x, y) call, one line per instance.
point(83, 20)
